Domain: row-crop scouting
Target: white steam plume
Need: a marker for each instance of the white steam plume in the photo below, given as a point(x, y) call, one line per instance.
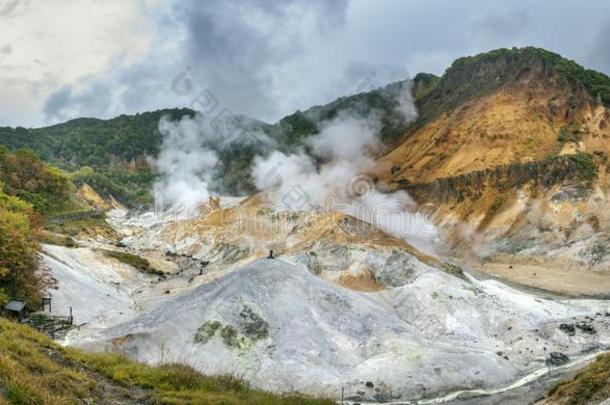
point(190, 154)
point(348, 144)
point(184, 164)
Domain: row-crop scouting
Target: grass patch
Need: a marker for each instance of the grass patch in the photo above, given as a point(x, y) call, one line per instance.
point(92, 226)
point(136, 261)
point(181, 384)
point(36, 370)
point(51, 238)
point(530, 144)
point(590, 385)
point(587, 168)
point(29, 373)
point(572, 133)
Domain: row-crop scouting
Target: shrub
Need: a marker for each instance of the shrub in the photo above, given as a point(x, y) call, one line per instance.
point(136, 261)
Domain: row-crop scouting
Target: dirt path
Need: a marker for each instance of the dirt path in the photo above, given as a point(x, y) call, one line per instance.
point(575, 282)
point(106, 391)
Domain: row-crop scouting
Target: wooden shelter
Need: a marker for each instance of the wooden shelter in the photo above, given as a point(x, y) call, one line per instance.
point(16, 309)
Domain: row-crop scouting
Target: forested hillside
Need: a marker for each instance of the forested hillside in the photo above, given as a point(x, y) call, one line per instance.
point(113, 155)
point(108, 154)
point(27, 177)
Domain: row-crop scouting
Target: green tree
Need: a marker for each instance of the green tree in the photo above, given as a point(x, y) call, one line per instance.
point(18, 260)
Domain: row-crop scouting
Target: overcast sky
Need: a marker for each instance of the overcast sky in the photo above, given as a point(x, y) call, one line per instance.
point(61, 59)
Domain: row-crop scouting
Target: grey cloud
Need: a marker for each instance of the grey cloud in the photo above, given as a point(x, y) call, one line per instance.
point(237, 56)
point(503, 25)
point(599, 55)
point(8, 6)
point(66, 103)
point(227, 51)
point(267, 58)
point(57, 101)
point(356, 71)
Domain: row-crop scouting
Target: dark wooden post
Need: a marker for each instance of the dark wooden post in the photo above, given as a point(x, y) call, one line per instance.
point(45, 301)
point(71, 318)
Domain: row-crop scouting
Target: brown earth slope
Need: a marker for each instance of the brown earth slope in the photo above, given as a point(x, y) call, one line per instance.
point(511, 150)
point(507, 106)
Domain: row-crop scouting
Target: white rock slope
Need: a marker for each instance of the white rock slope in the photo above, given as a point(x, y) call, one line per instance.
point(283, 328)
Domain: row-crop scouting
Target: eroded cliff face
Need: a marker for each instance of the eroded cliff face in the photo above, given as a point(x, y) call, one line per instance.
point(580, 170)
point(547, 219)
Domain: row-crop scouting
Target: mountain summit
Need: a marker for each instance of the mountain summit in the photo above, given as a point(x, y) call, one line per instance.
point(502, 107)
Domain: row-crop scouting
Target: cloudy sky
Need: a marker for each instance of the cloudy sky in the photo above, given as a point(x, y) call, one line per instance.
point(61, 59)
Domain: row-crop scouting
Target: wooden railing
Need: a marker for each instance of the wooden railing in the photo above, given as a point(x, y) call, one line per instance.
point(52, 325)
